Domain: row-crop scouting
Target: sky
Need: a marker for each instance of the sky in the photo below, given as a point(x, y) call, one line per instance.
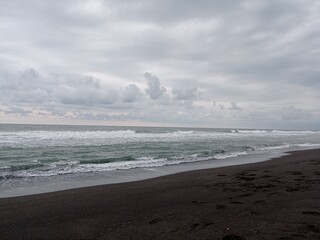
point(224, 63)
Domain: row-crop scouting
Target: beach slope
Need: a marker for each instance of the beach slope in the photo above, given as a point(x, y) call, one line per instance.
point(276, 199)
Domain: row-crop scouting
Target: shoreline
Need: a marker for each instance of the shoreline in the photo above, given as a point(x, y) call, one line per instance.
point(275, 199)
point(83, 180)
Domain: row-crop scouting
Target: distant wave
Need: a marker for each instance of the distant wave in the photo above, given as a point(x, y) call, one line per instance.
point(183, 132)
point(287, 146)
point(65, 134)
point(126, 133)
point(252, 131)
point(25, 139)
point(274, 132)
point(295, 132)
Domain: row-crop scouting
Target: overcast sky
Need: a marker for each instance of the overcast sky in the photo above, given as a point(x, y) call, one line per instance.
point(204, 63)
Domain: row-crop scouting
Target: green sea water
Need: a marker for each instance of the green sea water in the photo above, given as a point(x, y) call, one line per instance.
point(31, 151)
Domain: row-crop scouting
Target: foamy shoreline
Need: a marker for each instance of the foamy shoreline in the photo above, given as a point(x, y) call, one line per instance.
point(80, 180)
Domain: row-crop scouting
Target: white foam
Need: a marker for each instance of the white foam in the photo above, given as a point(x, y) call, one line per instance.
point(183, 132)
point(308, 145)
point(252, 131)
point(295, 132)
point(229, 155)
point(284, 146)
point(287, 146)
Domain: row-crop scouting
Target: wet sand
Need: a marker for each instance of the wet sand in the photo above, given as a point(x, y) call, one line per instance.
point(276, 199)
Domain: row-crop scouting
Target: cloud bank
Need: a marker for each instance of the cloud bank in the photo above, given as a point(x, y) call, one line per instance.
point(183, 63)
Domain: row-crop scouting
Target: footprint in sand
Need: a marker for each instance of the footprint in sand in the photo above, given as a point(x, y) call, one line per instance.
point(265, 176)
point(259, 201)
point(197, 202)
point(194, 227)
point(293, 189)
point(313, 228)
point(232, 237)
point(220, 206)
point(245, 178)
point(197, 226)
point(295, 172)
point(245, 195)
point(314, 213)
point(154, 221)
point(316, 173)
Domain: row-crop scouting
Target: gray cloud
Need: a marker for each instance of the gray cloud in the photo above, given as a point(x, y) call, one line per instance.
point(84, 96)
point(185, 93)
point(131, 94)
point(154, 90)
point(17, 111)
point(234, 106)
point(91, 55)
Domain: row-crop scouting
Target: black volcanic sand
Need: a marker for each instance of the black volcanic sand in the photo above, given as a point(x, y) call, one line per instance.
point(276, 199)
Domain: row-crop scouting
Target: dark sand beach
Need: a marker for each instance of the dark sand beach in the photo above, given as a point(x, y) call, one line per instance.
point(276, 199)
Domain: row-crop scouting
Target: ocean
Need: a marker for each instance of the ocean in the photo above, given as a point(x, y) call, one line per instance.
point(33, 154)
